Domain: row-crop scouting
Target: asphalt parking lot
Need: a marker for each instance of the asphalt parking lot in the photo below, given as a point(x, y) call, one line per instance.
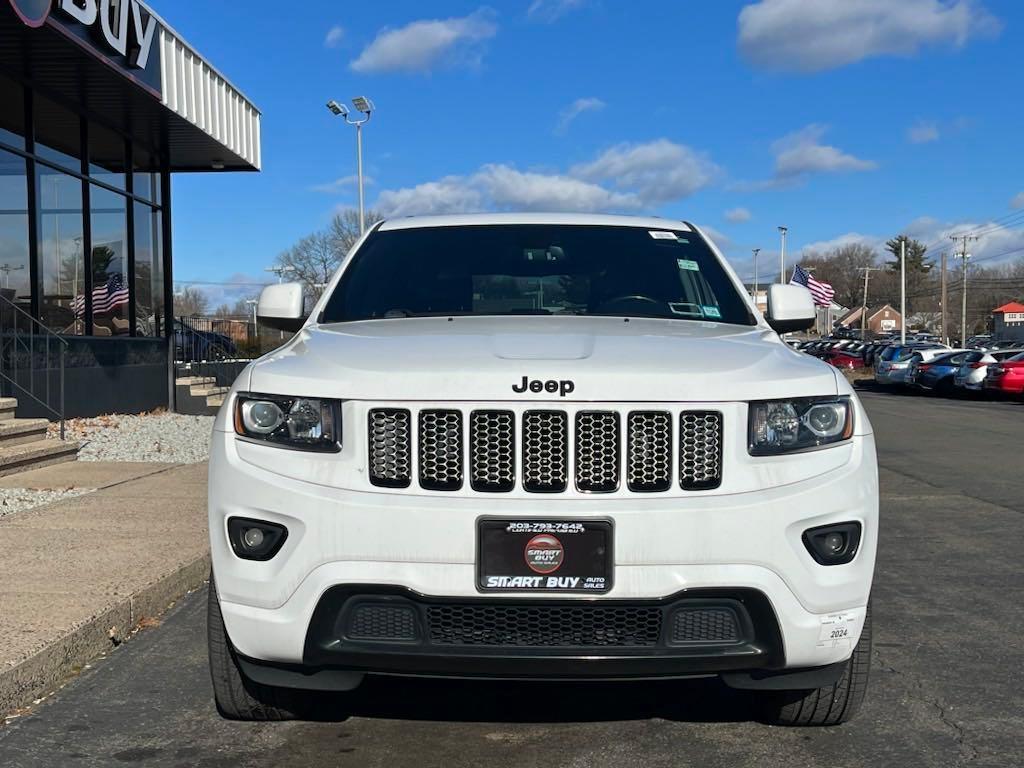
point(948, 667)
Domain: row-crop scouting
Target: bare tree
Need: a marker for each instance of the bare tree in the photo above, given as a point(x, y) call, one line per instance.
point(841, 267)
point(190, 301)
point(314, 259)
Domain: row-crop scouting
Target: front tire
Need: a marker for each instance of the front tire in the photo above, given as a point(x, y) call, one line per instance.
point(834, 704)
point(239, 698)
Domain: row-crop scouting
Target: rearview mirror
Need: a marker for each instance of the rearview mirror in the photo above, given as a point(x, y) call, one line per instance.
point(790, 308)
point(282, 307)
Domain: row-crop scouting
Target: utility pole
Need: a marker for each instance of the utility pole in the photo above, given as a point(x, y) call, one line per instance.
point(942, 314)
point(864, 307)
point(964, 255)
point(782, 256)
point(903, 290)
point(756, 251)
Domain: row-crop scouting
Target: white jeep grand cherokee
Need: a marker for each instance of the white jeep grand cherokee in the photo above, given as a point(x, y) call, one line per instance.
point(541, 447)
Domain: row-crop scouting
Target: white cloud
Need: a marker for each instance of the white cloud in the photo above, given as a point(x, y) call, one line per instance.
point(421, 46)
point(802, 36)
point(1017, 201)
point(574, 110)
point(626, 178)
point(658, 171)
point(344, 183)
point(721, 239)
point(549, 11)
point(801, 153)
point(737, 215)
point(922, 132)
point(334, 36)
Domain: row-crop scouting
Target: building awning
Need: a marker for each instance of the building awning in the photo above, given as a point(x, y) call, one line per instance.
point(1013, 306)
point(135, 74)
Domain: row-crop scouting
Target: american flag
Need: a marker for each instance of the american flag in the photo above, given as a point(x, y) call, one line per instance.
point(106, 297)
point(822, 293)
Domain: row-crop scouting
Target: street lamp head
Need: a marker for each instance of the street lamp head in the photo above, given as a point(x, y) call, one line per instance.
point(336, 108)
point(363, 104)
point(783, 229)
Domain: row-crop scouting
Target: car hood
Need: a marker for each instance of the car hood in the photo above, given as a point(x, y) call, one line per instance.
point(487, 359)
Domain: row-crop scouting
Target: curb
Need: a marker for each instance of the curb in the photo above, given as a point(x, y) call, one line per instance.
point(51, 666)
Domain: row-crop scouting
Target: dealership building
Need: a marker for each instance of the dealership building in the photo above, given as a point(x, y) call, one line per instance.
point(100, 103)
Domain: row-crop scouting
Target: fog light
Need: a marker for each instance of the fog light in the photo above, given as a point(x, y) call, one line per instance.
point(255, 539)
point(835, 544)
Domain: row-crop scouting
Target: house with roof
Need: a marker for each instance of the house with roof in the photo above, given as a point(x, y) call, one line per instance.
point(881, 319)
point(1008, 322)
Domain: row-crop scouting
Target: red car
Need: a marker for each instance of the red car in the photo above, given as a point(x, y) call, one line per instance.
point(842, 358)
point(1006, 377)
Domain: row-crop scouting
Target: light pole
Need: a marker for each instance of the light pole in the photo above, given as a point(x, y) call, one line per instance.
point(756, 251)
point(782, 255)
point(279, 271)
point(364, 105)
point(255, 326)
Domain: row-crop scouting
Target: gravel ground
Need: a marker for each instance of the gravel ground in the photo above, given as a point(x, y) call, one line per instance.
point(157, 436)
point(20, 499)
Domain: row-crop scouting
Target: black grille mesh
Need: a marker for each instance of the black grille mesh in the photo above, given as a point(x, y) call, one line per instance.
point(649, 454)
point(597, 451)
point(705, 625)
point(492, 436)
point(700, 450)
point(440, 450)
point(390, 448)
point(544, 625)
point(545, 451)
point(381, 621)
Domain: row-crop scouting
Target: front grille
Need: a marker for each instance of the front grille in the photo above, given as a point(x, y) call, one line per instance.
point(381, 621)
point(498, 454)
point(545, 451)
point(390, 448)
point(700, 450)
point(492, 440)
point(597, 451)
point(440, 447)
point(705, 625)
point(544, 625)
point(650, 451)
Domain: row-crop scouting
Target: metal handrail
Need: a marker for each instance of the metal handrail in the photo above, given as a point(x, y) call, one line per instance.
point(13, 341)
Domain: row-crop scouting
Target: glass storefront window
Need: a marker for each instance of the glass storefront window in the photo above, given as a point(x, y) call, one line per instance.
point(109, 259)
point(15, 280)
point(61, 251)
point(146, 180)
point(106, 156)
point(149, 272)
point(58, 133)
point(12, 114)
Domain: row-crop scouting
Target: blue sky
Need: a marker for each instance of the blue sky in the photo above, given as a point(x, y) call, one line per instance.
point(842, 119)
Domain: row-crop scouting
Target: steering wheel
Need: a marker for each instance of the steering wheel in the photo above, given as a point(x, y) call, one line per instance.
point(627, 298)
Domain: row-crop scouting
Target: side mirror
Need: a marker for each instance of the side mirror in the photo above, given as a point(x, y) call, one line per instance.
point(282, 307)
point(790, 308)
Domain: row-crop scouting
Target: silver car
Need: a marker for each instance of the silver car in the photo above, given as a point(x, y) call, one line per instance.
point(893, 365)
point(971, 373)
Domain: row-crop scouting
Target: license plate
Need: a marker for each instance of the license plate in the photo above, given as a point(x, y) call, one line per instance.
point(544, 555)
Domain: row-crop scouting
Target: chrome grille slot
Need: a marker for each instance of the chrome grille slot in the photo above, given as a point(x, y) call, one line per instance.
point(390, 448)
point(545, 451)
point(440, 450)
point(492, 451)
point(649, 452)
point(700, 450)
point(597, 451)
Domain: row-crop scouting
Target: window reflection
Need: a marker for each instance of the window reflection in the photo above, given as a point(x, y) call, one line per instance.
point(109, 263)
point(149, 277)
point(14, 257)
point(61, 251)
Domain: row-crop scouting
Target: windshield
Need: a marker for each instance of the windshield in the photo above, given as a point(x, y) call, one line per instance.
point(536, 270)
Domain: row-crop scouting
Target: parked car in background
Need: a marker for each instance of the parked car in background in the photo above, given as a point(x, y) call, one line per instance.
point(1006, 377)
point(972, 371)
point(192, 345)
point(980, 341)
point(936, 374)
point(1002, 345)
point(892, 366)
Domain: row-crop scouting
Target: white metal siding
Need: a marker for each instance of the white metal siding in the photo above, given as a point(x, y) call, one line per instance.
point(198, 93)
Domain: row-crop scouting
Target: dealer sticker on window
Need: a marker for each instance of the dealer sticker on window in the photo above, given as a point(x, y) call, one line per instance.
point(689, 264)
point(658, 235)
point(714, 312)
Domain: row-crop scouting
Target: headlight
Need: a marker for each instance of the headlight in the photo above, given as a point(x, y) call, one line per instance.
point(783, 426)
point(309, 424)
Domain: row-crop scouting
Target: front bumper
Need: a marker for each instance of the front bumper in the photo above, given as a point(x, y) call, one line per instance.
point(741, 543)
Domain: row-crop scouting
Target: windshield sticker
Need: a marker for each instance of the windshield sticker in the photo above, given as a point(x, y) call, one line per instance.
point(693, 266)
point(662, 235)
point(712, 312)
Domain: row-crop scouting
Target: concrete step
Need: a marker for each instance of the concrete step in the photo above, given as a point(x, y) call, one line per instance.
point(21, 431)
point(41, 453)
point(189, 381)
point(215, 402)
point(8, 405)
point(205, 390)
